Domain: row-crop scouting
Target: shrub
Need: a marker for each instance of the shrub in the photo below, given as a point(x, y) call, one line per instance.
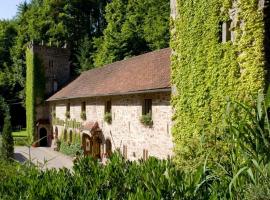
point(108, 117)
point(7, 147)
point(146, 120)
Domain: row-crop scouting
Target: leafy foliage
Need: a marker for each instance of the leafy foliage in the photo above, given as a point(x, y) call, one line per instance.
point(134, 27)
point(7, 143)
point(146, 119)
point(206, 73)
point(35, 87)
point(108, 117)
point(72, 148)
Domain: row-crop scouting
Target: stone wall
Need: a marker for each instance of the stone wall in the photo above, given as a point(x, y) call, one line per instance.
point(126, 128)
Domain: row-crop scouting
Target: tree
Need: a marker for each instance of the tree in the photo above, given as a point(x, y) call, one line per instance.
point(84, 55)
point(7, 148)
point(134, 27)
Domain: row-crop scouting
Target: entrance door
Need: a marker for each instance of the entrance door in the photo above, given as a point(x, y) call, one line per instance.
point(96, 147)
point(43, 137)
point(91, 146)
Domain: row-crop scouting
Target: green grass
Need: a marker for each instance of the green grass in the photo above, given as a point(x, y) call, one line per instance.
point(20, 137)
point(22, 133)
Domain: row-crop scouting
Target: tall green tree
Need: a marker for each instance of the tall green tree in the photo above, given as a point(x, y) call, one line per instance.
point(7, 143)
point(134, 27)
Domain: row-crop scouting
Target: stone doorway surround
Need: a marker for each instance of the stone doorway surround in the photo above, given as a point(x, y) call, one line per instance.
point(92, 138)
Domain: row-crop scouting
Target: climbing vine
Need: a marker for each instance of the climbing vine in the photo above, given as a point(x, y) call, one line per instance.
point(207, 72)
point(35, 87)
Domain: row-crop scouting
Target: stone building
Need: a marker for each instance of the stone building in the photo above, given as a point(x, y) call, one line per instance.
point(124, 105)
point(51, 71)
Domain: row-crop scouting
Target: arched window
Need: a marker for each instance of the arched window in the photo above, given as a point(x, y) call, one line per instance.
point(70, 136)
point(108, 147)
point(65, 135)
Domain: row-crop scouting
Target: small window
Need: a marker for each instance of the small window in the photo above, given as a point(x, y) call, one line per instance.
point(68, 107)
point(65, 135)
point(68, 110)
point(56, 133)
point(125, 152)
point(145, 154)
point(83, 107)
point(226, 31)
point(70, 136)
point(108, 148)
point(147, 107)
point(55, 85)
point(108, 107)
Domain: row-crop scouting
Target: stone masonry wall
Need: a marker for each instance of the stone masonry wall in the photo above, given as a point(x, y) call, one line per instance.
point(126, 128)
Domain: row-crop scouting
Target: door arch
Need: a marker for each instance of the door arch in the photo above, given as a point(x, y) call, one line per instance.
point(43, 137)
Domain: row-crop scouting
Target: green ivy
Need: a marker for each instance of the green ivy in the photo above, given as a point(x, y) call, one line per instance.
point(207, 72)
point(35, 87)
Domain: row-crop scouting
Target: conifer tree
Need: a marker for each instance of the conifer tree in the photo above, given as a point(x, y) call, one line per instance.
point(7, 147)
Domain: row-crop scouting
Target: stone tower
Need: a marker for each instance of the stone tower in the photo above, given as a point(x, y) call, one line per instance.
point(48, 70)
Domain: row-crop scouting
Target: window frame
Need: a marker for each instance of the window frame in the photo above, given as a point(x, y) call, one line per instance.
point(147, 107)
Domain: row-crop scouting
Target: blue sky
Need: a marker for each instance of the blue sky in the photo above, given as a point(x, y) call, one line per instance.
point(8, 8)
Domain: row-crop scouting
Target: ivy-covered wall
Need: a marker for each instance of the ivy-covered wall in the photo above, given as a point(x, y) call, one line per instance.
point(35, 87)
point(206, 72)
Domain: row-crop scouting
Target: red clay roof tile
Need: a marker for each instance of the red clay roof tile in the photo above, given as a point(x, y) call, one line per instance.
point(147, 72)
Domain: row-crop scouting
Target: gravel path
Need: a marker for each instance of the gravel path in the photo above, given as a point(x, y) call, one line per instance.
point(44, 157)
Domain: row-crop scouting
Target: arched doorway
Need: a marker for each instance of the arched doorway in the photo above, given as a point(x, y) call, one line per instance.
point(91, 146)
point(43, 137)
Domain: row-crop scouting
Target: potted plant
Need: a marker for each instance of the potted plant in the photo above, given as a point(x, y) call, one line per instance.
point(108, 117)
point(147, 120)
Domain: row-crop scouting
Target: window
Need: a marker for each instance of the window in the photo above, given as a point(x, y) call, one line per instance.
point(147, 107)
point(226, 31)
point(68, 110)
point(83, 107)
point(70, 136)
point(145, 154)
point(108, 147)
point(68, 107)
point(55, 85)
point(108, 107)
point(125, 151)
point(65, 135)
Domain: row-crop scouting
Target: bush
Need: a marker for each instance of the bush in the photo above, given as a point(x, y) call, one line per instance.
point(146, 120)
point(7, 147)
point(108, 117)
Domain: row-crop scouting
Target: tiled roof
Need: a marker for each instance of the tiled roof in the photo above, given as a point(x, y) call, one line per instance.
point(143, 73)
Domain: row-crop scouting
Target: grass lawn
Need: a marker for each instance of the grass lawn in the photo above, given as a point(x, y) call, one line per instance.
point(22, 133)
point(20, 137)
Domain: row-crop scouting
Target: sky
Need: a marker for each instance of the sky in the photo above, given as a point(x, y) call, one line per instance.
point(8, 8)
